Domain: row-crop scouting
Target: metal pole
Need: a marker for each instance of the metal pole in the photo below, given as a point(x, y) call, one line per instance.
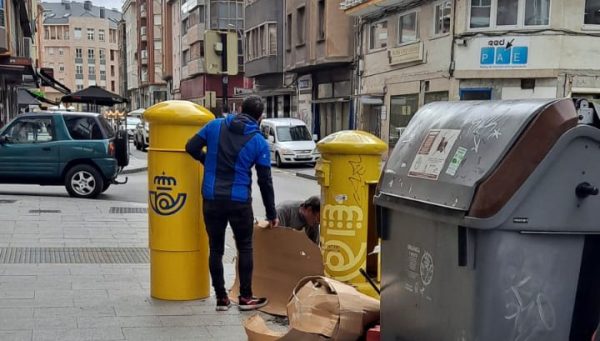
point(224, 77)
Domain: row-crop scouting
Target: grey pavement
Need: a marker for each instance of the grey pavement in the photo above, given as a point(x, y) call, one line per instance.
point(102, 298)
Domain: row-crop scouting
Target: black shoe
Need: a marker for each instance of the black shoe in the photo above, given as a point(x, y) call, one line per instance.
point(252, 303)
point(223, 304)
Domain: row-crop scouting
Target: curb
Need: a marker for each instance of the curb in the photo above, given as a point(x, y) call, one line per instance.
point(134, 170)
point(306, 176)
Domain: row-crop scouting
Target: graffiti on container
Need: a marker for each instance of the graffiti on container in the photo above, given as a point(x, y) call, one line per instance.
point(356, 178)
point(529, 309)
point(484, 131)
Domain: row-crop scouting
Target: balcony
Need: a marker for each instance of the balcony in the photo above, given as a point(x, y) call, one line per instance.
point(91, 61)
point(92, 76)
point(78, 60)
point(190, 5)
point(79, 76)
point(357, 8)
point(195, 33)
point(195, 67)
point(144, 57)
point(143, 33)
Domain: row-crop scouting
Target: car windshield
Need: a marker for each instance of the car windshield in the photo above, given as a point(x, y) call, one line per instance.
point(133, 121)
point(293, 133)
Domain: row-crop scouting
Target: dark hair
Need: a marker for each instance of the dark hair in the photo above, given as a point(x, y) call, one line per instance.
point(314, 203)
point(253, 106)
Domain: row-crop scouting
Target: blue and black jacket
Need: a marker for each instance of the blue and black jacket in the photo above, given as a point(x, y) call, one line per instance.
point(233, 145)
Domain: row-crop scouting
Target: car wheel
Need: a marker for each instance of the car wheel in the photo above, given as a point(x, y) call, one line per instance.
point(278, 160)
point(84, 181)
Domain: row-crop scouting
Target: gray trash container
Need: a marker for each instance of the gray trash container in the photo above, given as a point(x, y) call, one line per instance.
point(487, 214)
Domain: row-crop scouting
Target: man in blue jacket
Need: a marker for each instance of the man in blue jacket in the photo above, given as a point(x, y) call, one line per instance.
point(233, 146)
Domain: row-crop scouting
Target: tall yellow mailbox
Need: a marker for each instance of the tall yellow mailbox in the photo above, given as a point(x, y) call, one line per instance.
point(178, 240)
point(348, 173)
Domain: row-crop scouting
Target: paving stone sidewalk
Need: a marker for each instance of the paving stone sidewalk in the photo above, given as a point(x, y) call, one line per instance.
point(102, 299)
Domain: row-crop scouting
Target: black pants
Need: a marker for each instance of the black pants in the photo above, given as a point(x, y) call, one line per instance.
point(217, 213)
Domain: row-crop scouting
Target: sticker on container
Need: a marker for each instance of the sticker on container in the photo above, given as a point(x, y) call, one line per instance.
point(433, 153)
point(456, 161)
point(341, 198)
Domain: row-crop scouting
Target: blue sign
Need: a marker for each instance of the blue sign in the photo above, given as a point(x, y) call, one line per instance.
point(503, 53)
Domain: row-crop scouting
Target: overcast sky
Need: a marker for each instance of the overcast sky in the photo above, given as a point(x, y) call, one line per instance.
point(106, 3)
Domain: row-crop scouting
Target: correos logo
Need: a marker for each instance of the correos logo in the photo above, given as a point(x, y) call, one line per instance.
point(163, 200)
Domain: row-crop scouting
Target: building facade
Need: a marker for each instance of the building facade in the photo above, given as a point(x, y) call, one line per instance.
point(415, 52)
point(264, 55)
point(319, 51)
point(152, 88)
point(79, 43)
point(132, 91)
point(16, 53)
point(196, 84)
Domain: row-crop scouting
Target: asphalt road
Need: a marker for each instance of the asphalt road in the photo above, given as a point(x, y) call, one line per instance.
point(287, 187)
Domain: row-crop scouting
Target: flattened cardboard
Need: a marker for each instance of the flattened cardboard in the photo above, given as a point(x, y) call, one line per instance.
point(282, 257)
point(321, 309)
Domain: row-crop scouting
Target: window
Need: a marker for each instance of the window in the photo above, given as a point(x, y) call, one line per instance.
point(46, 32)
point(102, 74)
point(2, 20)
point(407, 28)
point(77, 33)
point(61, 68)
point(293, 133)
point(79, 69)
point(480, 13)
point(439, 96)
point(288, 40)
point(300, 26)
point(272, 39)
point(507, 12)
point(378, 35)
point(112, 86)
point(226, 14)
point(112, 70)
point(83, 128)
point(101, 35)
point(537, 12)
point(321, 30)
point(78, 53)
point(185, 57)
point(112, 55)
point(402, 109)
point(90, 34)
point(158, 44)
point(592, 12)
point(61, 51)
point(79, 87)
point(31, 130)
point(504, 14)
point(90, 53)
point(442, 13)
point(66, 33)
point(102, 54)
point(91, 71)
point(51, 51)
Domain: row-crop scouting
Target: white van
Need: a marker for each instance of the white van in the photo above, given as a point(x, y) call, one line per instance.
point(289, 140)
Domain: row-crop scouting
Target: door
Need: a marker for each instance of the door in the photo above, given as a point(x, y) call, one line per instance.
point(31, 152)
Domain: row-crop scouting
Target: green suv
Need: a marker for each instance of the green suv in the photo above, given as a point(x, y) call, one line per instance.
point(78, 150)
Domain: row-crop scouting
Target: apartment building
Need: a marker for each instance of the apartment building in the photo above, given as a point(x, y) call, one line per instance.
point(151, 88)
point(130, 18)
point(79, 42)
point(16, 67)
point(319, 51)
point(264, 55)
point(415, 52)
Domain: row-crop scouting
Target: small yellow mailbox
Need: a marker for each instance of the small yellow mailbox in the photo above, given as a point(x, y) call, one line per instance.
point(177, 236)
point(348, 173)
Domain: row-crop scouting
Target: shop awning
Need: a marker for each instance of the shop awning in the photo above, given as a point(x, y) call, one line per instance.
point(94, 95)
point(38, 95)
point(25, 98)
point(53, 83)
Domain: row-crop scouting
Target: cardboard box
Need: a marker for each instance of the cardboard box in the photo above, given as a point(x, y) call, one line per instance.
point(321, 309)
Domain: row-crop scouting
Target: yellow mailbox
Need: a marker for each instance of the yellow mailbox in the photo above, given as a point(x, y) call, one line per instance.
point(348, 173)
point(178, 240)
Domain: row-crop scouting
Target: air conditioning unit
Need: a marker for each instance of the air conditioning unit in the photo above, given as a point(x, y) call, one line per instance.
point(3, 40)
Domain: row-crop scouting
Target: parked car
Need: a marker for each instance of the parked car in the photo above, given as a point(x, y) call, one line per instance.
point(78, 150)
point(289, 141)
point(131, 124)
point(141, 137)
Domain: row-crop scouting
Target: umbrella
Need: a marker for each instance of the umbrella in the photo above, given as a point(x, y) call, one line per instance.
point(94, 95)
